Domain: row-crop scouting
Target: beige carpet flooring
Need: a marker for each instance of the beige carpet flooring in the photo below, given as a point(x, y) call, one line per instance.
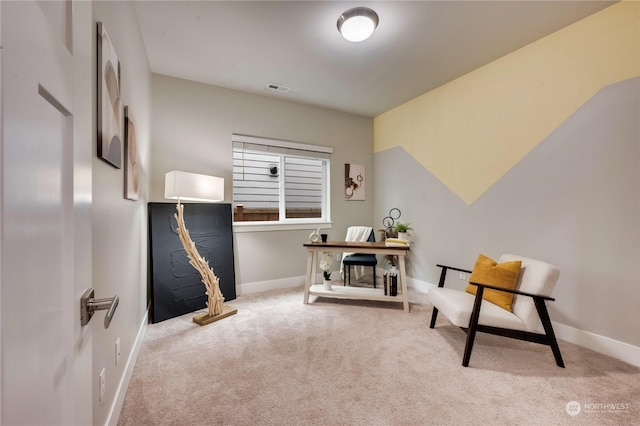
point(333, 362)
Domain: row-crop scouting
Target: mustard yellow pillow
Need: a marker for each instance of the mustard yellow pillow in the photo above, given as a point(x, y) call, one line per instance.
point(487, 271)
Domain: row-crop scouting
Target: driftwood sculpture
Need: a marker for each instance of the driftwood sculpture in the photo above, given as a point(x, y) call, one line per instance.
point(209, 279)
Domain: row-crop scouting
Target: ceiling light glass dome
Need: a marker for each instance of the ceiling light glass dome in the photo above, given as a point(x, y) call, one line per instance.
point(357, 24)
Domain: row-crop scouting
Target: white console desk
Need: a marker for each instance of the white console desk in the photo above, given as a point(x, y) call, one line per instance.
point(348, 292)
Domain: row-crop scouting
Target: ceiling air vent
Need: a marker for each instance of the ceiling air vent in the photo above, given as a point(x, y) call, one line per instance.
point(278, 88)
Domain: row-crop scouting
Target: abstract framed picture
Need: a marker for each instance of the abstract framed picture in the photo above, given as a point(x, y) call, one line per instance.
point(131, 176)
point(109, 104)
point(354, 182)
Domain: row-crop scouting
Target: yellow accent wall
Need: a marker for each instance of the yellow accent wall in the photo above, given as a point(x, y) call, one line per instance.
point(471, 131)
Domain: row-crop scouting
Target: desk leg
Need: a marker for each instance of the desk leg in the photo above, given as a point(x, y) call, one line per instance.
point(308, 279)
point(403, 282)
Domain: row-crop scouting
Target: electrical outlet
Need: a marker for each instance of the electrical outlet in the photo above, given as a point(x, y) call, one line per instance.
point(117, 350)
point(463, 276)
point(102, 385)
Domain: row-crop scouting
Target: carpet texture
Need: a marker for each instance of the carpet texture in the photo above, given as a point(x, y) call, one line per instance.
point(339, 362)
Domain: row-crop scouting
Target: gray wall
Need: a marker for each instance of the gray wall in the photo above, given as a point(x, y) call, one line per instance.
point(574, 200)
point(119, 225)
point(192, 126)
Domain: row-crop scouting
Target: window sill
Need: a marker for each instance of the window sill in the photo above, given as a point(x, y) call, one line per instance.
point(239, 227)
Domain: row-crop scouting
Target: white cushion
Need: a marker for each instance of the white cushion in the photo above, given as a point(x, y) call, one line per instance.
point(457, 305)
point(536, 277)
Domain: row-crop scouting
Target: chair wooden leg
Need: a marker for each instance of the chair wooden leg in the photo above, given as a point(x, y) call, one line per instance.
point(434, 315)
point(548, 329)
point(473, 326)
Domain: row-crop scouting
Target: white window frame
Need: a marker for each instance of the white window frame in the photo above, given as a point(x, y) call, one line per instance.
point(281, 146)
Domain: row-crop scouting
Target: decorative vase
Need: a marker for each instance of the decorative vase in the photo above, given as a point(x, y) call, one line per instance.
point(326, 284)
point(314, 237)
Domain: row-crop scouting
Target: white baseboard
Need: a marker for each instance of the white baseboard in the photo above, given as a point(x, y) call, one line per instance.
point(421, 286)
point(290, 282)
point(602, 344)
point(260, 286)
point(121, 391)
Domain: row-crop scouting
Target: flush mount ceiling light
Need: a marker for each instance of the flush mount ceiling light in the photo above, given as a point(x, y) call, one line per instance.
point(357, 24)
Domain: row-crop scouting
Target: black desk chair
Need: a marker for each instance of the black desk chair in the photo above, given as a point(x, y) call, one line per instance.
point(360, 259)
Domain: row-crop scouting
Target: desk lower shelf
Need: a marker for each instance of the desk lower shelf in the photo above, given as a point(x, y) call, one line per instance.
point(357, 293)
point(347, 292)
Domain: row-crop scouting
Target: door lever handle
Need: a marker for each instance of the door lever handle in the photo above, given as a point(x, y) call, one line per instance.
point(89, 304)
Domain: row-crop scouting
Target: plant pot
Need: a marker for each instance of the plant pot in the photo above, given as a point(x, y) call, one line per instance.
point(326, 284)
point(403, 236)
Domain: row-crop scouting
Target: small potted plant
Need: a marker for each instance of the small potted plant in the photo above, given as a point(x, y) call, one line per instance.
point(403, 230)
point(325, 264)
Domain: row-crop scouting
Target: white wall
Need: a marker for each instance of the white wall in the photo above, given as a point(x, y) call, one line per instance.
point(192, 127)
point(120, 225)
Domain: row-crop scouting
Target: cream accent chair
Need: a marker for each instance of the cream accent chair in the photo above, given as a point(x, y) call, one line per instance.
point(529, 320)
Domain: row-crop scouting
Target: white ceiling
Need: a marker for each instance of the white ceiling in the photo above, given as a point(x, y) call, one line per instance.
point(418, 45)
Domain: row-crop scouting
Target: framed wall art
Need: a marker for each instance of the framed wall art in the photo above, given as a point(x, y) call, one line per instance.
point(176, 286)
point(131, 176)
point(109, 104)
point(354, 182)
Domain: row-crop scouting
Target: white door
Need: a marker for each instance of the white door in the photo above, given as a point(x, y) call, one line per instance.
point(45, 353)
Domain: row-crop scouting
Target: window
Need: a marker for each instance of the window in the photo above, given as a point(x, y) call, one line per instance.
point(279, 181)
